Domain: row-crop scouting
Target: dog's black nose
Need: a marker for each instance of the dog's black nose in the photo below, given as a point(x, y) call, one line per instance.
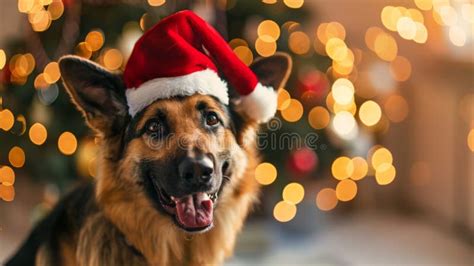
point(197, 171)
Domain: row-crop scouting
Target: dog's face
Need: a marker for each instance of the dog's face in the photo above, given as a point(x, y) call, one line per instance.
point(180, 153)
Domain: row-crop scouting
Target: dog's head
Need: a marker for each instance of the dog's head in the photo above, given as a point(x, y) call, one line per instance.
point(181, 153)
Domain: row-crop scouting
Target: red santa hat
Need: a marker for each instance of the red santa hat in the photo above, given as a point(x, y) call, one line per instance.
point(181, 56)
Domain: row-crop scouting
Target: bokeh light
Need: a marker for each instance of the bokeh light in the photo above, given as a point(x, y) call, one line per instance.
point(457, 36)
point(342, 168)
point(6, 119)
point(244, 54)
point(318, 117)
point(400, 68)
point(381, 156)
point(3, 59)
point(265, 48)
point(7, 193)
point(406, 27)
point(265, 173)
point(299, 42)
point(268, 31)
point(293, 193)
point(396, 108)
point(370, 113)
point(284, 99)
point(336, 49)
point(343, 91)
point(385, 47)
point(284, 211)
point(67, 143)
point(293, 3)
point(7, 176)
point(38, 133)
point(344, 123)
point(326, 199)
point(113, 59)
point(293, 112)
point(360, 168)
point(83, 49)
point(385, 174)
point(95, 39)
point(16, 157)
point(424, 4)
point(470, 140)
point(51, 73)
point(346, 190)
point(156, 2)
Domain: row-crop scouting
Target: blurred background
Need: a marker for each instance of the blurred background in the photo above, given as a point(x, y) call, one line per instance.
point(373, 161)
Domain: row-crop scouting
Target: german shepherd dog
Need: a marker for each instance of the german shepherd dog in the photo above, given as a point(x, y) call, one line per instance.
point(174, 183)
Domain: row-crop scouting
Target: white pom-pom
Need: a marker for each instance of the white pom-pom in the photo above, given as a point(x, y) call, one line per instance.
point(261, 104)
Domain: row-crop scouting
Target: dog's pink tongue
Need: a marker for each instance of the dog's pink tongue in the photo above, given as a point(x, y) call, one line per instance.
point(195, 211)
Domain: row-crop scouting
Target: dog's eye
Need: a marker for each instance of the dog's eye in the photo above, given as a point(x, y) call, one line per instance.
point(154, 127)
point(212, 119)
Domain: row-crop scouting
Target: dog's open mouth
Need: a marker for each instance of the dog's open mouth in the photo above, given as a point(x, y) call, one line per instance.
point(192, 213)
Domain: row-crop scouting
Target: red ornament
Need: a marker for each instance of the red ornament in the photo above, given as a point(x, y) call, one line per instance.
point(313, 83)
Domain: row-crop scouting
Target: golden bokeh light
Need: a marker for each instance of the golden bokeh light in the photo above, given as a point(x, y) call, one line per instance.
point(370, 113)
point(293, 112)
point(7, 193)
point(390, 16)
point(400, 68)
point(6, 119)
point(421, 35)
point(38, 133)
point(385, 174)
point(424, 5)
point(351, 108)
point(265, 173)
point(284, 211)
point(381, 156)
point(264, 48)
point(406, 27)
point(343, 91)
point(330, 30)
point(268, 30)
point(25, 6)
point(318, 117)
point(3, 59)
point(56, 9)
point(299, 42)
point(396, 108)
point(415, 15)
point(51, 73)
point(86, 158)
point(326, 199)
point(457, 36)
point(16, 157)
point(385, 47)
point(370, 36)
point(95, 39)
point(113, 59)
point(344, 123)
point(236, 42)
point(293, 3)
point(470, 140)
point(40, 82)
point(284, 99)
point(40, 20)
point(270, 2)
point(346, 190)
point(244, 54)
point(342, 168)
point(84, 49)
point(360, 168)
point(67, 143)
point(336, 49)
point(448, 15)
point(293, 193)
point(7, 176)
point(156, 2)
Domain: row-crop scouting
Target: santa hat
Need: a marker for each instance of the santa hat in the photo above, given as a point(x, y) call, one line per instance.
point(181, 56)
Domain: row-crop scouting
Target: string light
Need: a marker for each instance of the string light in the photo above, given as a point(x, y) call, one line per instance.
point(265, 173)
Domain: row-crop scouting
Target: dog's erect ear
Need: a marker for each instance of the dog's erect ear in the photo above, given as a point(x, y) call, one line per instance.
point(97, 93)
point(274, 70)
point(271, 71)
